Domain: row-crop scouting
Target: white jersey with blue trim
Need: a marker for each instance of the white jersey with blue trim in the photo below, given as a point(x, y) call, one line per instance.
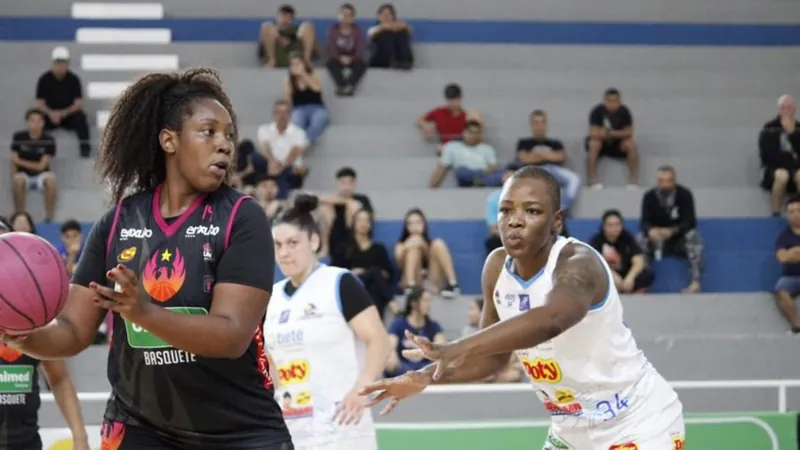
point(318, 360)
point(594, 372)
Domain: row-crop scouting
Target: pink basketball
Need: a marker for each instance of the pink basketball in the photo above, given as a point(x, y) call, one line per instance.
point(33, 282)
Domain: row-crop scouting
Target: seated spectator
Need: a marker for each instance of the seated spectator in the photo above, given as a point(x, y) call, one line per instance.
point(369, 260)
point(415, 319)
point(447, 122)
point(417, 256)
point(60, 96)
point(391, 41)
point(250, 166)
point(611, 134)
point(32, 151)
point(548, 154)
point(346, 51)
point(474, 161)
point(22, 222)
point(473, 317)
point(669, 224)
point(492, 209)
point(779, 149)
point(340, 208)
point(280, 39)
point(787, 248)
point(266, 194)
point(304, 92)
point(71, 245)
point(5, 227)
point(282, 144)
point(623, 254)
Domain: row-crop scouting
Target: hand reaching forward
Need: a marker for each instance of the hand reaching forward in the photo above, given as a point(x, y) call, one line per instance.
point(446, 356)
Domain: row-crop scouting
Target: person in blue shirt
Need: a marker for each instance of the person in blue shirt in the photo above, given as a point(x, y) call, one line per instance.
point(71, 244)
point(416, 320)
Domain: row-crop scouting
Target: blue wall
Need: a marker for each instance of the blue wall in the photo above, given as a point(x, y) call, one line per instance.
point(439, 31)
point(740, 254)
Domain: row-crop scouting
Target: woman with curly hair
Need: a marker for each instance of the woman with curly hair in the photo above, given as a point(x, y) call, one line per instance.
point(185, 264)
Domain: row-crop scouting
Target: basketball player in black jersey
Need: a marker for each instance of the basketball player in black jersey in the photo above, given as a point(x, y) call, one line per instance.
point(19, 400)
point(186, 265)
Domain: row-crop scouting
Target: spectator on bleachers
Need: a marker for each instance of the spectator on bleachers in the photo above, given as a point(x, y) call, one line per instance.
point(5, 227)
point(779, 151)
point(282, 144)
point(266, 194)
point(70, 246)
point(415, 319)
point(787, 251)
point(250, 165)
point(304, 92)
point(473, 317)
point(391, 41)
point(340, 208)
point(346, 44)
point(623, 254)
point(492, 208)
point(421, 258)
point(549, 154)
point(446, 123)
point(611, 134)
point(473, 161)
point(32, 151)
point(60, 96)
point(368, 260)
point(513, 371)
point(280, 39)
point(22, 222)
point(669, 224)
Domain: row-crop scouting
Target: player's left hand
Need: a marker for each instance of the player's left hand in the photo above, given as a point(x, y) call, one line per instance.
point(350, 410)
point(127, 299)
point(447, 356)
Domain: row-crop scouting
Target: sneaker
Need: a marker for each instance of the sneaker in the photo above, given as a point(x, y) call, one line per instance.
point(450, 290)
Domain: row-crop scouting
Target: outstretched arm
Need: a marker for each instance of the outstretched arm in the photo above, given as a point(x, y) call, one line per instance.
point(579, 281)
point(476, 368)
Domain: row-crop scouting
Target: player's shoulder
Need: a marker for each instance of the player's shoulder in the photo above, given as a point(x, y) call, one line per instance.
point(494, 263)
point(579, 253)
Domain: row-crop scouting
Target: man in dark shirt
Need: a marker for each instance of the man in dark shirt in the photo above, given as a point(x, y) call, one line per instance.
point(60, 96)
point(778, 147)
point(669, 224)
point(346, 44)
point(339, 209)
point(611, 134)
point(548, 154)
point(787, 251)
point(32, 151)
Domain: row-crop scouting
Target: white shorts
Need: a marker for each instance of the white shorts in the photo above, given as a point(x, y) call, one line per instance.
point(623, 439)
point(36, 182)
point(354, 443)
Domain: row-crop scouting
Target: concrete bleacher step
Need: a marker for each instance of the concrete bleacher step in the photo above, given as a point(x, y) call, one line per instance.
point(113, 36)
point(108, 10)
point(128, 62)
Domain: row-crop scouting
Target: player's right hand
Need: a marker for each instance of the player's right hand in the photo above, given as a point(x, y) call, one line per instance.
point(396, 389)
point(13, 339)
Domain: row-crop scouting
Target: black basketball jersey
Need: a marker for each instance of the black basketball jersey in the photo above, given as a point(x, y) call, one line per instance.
point(188, 398)
point(19, 400)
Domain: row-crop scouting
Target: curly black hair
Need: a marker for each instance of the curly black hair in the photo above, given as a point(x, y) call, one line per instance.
point(131, 158)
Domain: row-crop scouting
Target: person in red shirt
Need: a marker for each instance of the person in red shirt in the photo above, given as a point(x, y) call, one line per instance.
point(448, 121)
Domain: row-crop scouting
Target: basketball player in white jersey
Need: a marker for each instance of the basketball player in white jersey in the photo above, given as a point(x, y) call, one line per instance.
point(552, 301)
point(325, 338)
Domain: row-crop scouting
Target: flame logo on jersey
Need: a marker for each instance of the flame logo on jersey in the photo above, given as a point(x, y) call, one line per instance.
point(164, 275)
point(542, 370)
point(678, 442)
point(9, 354)
point(112, 435)
point(625, 446)
point(293, 372)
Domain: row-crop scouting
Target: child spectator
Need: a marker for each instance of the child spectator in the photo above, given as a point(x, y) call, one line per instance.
point(71, 245)
point(266, 194)
point(22, 222)
point(32, 151)
point(304, 92)
point(415, 319)
point(391, 41)
point(417, 256)
point(623, 254)
point(346, 51)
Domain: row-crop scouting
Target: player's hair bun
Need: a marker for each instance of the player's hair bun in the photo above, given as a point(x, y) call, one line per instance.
point(305, 203)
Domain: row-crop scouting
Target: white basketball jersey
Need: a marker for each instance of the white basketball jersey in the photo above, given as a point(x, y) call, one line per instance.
point(317, 356)
point(594, 371)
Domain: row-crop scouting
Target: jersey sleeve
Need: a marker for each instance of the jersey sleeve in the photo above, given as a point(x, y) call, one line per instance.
point(249, 259)
point(92, 263)
point(353, 298)
point(596, 116)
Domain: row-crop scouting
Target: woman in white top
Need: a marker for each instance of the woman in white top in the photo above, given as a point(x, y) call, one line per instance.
point(325, 340)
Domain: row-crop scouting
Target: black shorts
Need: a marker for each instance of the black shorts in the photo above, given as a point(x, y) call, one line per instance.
point(612, 149)
point(117, 436)
point(768, 179)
